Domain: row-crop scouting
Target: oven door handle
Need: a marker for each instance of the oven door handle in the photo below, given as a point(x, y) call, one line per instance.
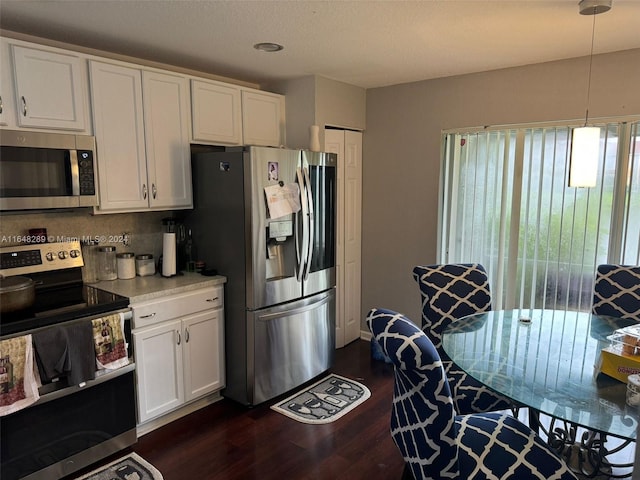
point(105, 377)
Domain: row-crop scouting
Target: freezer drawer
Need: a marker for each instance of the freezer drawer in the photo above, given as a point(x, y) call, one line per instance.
point(292, 344)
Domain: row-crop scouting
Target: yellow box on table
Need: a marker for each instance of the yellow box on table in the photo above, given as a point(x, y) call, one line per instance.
point(622, 357)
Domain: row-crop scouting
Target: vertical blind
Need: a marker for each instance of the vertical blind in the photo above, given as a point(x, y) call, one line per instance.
point(505, 203)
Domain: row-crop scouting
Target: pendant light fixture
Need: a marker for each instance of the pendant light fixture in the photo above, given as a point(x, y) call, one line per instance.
point(585, 141)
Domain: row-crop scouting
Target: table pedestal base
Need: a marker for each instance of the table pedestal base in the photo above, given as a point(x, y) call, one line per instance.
point(588, 457)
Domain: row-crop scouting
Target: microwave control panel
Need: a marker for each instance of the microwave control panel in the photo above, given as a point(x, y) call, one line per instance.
point(86, 171)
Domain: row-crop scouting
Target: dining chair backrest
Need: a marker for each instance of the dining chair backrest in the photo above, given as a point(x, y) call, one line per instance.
point(450, 292)
point(423, 416)
point(616, 291)
point(435, 442)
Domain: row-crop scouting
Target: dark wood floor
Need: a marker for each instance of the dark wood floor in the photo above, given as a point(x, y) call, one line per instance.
point(227, 441)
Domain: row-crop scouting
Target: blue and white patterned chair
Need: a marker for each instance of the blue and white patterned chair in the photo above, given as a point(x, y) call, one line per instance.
point(616, 292)
point(434, 441)
point(450, 292)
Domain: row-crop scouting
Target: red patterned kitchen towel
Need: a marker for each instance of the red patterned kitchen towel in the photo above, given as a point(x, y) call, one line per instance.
point(18, 387)
point(110, 344)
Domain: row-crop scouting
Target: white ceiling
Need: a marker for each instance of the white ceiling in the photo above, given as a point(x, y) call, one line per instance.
point(365, 43)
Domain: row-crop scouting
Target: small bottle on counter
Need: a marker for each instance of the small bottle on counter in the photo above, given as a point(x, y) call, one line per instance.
point(107, 269)
point(145, 265)
point(126, 265)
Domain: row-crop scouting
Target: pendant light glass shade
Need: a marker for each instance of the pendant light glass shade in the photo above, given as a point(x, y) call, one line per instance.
point(585, 141)
point(585, 148)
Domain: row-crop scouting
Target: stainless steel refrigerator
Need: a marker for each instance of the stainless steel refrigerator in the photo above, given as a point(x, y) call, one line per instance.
point(266, 219)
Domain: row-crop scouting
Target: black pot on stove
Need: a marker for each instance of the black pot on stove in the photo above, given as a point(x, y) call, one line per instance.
point(16, 293)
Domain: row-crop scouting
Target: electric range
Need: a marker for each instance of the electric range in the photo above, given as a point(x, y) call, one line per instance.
point(70, 426)
point(60, 294)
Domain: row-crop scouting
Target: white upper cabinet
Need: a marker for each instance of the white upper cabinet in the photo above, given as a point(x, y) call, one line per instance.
point(7, 102)
point(116, 96)
point(142, 135)
point(217, 112)
point(50, 89)
point(225, 114)
point(262, 118)
point(166, 120)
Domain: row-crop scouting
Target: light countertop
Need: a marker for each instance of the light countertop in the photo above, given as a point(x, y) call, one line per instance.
point(140, 289)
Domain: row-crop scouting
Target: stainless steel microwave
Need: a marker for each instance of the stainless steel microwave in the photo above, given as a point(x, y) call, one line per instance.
point(46, 170)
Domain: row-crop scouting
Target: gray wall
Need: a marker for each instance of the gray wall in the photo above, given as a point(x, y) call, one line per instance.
point(315, 100)
point(401, 151)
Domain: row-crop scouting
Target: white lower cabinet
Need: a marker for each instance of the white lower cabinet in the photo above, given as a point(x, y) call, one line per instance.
point(181, 359)
point(159, 368)
point(203, 343)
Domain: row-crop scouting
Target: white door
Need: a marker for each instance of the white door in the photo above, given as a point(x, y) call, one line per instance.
point(116, 94)
point(159, 368)
point(203, 353)
point(347, 145)
point(166, 120)
point(50, 89)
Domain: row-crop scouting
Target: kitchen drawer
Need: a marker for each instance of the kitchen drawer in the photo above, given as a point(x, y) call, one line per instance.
point(176, 306)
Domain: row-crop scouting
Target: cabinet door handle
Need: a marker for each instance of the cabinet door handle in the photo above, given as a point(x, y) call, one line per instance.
point(148, 316)
point(179, 337)
point(186, 336)
point(214, 299)
point(154, 190)
point(144, 191)
point(0, 103)
point(24, 106)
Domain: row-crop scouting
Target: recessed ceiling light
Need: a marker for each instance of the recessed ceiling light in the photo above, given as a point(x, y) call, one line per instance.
point(268, 47)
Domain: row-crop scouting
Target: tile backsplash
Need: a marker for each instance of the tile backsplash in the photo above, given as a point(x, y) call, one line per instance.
point(144, 229)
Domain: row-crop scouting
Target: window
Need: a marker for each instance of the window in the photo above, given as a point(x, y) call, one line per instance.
point(505, 203)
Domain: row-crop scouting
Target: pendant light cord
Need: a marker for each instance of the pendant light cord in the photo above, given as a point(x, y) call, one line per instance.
point(593, 36)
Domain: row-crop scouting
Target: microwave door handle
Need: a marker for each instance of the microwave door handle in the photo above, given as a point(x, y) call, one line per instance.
point(302, 251)
point(310, 223)
point(75, 172)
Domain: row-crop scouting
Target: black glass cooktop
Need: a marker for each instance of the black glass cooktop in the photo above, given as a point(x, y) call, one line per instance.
point(55, 305)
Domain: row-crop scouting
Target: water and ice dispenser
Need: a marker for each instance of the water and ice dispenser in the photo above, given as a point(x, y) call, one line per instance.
point(281, 256)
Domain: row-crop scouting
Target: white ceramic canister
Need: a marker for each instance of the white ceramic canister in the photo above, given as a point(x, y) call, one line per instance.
point(314, 138)
point(126, 265)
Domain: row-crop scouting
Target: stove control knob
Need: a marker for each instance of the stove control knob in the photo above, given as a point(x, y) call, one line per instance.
point(62, 254)
point(50, 257)
point(74, 253)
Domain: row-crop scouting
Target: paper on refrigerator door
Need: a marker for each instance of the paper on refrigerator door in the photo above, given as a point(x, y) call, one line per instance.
point(282, 200)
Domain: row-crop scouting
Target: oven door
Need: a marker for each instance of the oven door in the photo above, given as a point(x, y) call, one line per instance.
point(69, 429)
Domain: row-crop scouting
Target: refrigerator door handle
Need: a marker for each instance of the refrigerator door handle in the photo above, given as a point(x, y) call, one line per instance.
point(302, 250)
point(310, 223)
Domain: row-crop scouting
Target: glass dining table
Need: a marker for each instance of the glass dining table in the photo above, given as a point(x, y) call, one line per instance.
point(546, 360)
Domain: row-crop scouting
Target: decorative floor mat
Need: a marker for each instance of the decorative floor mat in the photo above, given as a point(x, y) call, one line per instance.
point(324, 401)
point(129, 467)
